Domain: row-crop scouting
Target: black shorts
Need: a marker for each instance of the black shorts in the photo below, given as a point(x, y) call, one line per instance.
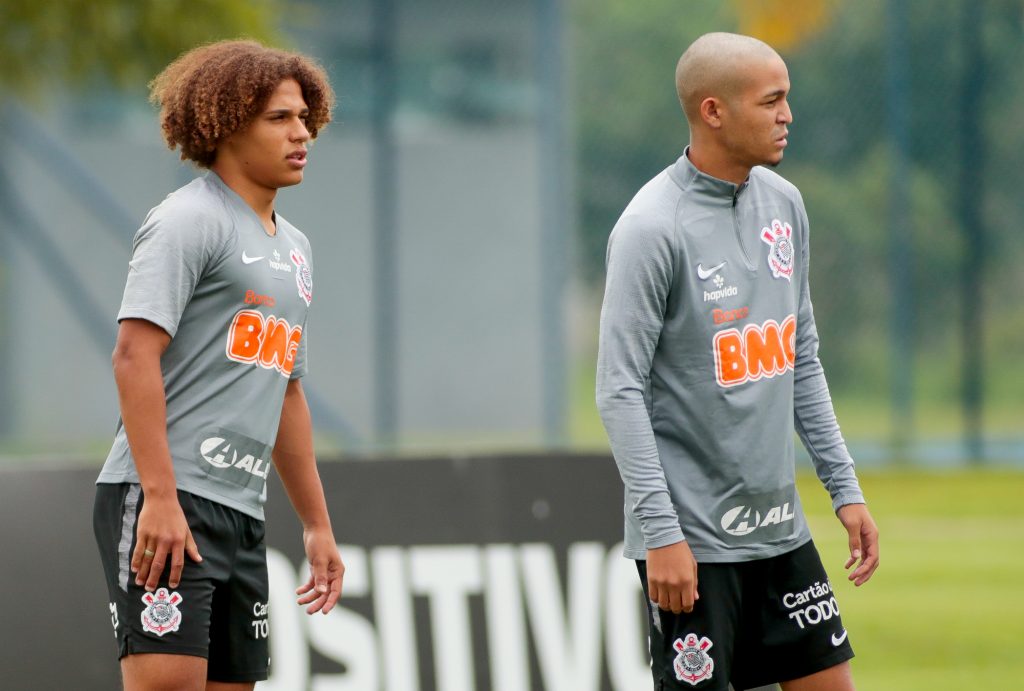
point(219, 609)
point(756, 623)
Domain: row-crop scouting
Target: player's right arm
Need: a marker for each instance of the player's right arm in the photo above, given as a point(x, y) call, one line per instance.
point(161, 527)
point(640, 269)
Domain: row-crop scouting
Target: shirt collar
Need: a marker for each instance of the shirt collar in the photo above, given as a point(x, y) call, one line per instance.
point(689, 178)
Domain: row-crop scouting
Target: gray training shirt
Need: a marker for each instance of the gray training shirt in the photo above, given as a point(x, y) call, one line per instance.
point(708, 356)
point(234, 300)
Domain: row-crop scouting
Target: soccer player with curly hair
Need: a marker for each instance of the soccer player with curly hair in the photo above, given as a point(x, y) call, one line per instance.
point(210, 355)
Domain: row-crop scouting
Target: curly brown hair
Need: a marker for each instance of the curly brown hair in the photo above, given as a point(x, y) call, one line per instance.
point(215, 90)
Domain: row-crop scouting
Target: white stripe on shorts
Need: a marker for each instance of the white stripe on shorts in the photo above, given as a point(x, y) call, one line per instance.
point(131, 505)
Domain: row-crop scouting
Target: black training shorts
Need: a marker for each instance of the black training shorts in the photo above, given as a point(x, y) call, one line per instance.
point(218, 611)
point(756, 623)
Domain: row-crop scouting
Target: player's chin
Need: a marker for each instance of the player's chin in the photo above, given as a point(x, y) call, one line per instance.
point(289, 179)
point(774, 159)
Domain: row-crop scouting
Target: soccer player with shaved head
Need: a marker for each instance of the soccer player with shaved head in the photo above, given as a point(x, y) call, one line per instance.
point(210, 355)
point(708, 360)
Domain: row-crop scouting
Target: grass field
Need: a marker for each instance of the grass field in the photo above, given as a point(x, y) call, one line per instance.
point(946, 608)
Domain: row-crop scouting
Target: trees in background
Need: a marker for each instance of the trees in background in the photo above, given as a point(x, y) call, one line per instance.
point(629, 127)
point(126, 41)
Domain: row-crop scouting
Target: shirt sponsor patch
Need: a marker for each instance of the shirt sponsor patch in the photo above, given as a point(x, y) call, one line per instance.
point(721, 290)
point(277, 265)
point(234, 457)
point(748, 519)
point(268, 341)
point(812, 606)
point(759, 351)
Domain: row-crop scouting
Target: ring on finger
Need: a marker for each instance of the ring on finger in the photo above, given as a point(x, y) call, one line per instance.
point(148, 553)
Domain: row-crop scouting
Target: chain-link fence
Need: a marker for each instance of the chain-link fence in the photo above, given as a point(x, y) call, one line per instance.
point(905, 145)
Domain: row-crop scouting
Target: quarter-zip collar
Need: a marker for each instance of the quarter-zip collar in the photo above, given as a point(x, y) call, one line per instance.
point(694, 181)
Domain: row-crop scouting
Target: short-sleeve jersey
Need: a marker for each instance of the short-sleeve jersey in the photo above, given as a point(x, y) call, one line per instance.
point(234, 300)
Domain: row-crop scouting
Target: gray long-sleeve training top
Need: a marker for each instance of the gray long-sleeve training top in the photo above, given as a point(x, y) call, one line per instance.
point(708, 357)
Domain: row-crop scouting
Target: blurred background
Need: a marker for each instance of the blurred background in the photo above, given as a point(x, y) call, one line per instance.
point(459, 206)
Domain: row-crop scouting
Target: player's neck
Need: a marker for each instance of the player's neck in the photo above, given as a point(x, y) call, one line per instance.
point(712, 161)
point(259, 198)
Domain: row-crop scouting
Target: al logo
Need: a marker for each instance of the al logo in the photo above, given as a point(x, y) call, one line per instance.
point(161, 614)
point(693, 664)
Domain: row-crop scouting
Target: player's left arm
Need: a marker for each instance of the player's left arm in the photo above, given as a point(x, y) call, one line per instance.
point(815, 421)
point(296, 464)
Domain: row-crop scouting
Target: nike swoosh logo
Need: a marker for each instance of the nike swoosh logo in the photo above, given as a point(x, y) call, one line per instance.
point(246, 259)
point(838, 640)
point(704, 274)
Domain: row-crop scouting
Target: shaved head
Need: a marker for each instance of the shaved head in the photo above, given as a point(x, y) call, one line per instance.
point(715, 65)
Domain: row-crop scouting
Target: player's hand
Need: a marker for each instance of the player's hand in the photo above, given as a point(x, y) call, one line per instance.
point(326, 571)
point(863, 541)
point(672, 577)
point(162, 536)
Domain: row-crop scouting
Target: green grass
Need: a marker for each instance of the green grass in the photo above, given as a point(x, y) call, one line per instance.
point(946, 608)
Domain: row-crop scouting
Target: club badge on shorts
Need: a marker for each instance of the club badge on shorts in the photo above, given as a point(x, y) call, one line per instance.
point(303, 276)
point(161, 614)
point(781, 252)
point(693, 664)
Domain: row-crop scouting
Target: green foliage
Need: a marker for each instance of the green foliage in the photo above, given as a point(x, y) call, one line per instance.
point(124, 41)
point(850, 264)
point(630, 125)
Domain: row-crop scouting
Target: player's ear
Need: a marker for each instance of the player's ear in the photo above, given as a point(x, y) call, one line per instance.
point(710, 110)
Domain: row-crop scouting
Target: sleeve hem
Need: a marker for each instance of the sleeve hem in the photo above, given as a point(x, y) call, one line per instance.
point(161, 320)
point(845, 500)
point(665, 540)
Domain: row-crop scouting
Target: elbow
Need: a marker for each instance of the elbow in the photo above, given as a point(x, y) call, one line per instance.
point(121, 360)
point(119, 357)
point(609, 398)
point(603, 397)
point(128, 357)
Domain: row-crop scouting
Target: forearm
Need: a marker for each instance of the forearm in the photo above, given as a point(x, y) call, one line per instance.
point(295, 460)
point(631, 436)
point(816, 423)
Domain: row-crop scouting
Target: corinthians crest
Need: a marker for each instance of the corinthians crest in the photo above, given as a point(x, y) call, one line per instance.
point(303, 276)
point(693, 664)
point(780, 253)
point(161, 614)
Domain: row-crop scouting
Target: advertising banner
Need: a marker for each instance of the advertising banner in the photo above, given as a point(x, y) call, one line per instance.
point(467, 574)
